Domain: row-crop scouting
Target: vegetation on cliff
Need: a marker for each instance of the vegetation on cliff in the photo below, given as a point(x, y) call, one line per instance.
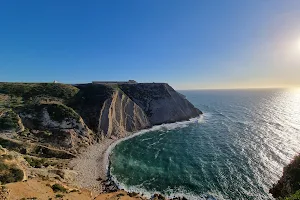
point(288, 187)
point(46, 124)
point(9, 171)
point(295, 196)
point(9, 121)
point(39, 112)
point(30, 90)
point(57, 111)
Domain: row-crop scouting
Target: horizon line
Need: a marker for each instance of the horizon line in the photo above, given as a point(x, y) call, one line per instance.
point(246, 88)
point(233, 88)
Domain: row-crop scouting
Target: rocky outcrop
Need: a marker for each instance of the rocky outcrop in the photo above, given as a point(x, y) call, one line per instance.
point(118, 109)
point(10, 121)
point(120, 115)
point(50, 123)
point(160, 102)
point(69, 117)
point(89, 102)
point(57, 124)
point(289, 183)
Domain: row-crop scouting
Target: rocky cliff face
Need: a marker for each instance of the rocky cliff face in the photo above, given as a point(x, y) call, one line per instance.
point(289, 183)
point(120, 115)
point(116, 110)
point(89, 101)
point(108, 111)
point(56, 124)
point(68, 117)
point(161, 103)
point(46, 124)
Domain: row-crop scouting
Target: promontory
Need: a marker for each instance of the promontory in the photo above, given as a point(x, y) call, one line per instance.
point(52, 134)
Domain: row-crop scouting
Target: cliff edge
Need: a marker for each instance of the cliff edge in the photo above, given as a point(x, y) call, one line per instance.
point(70, 117)
point(116, 110)
point(288, 186)
point(160, 102)
point(45, 128)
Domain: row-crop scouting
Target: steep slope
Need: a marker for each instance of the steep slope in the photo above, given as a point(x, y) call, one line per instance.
point(289, 183)
point(10, 121)
point(89, 101)
point(120, 115)
point(47, 124)
point(56, 124)
point(108, 111)
point(160, 102)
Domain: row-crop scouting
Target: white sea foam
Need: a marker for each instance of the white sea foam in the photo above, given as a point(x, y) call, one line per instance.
point(171, 193)
point(170, 126)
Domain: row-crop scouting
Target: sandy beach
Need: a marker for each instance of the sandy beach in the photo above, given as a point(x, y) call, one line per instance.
point(90, 166)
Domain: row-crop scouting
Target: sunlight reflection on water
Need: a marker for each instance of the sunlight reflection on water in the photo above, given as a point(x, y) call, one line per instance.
point(237, 151)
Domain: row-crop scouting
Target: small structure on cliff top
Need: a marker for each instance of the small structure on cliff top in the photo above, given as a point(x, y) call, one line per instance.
point(114, 82)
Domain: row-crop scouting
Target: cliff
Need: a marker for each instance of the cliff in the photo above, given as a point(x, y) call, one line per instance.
point(44, 125)
point(108, 111)
point(160, 102)
point(120, 115)
point(47, 124)
point(288, 186)
point(55, 124)
point(68, 117)
point(119, 109)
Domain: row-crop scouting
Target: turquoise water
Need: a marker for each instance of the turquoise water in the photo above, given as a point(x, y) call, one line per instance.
point(236, 150)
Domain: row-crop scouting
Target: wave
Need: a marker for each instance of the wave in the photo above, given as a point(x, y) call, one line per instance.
point(169, 126)
point(170, 193)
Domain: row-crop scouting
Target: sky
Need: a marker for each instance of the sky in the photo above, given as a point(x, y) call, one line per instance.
point(190, 44)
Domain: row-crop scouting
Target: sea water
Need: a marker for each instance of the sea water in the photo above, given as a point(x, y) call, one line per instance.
point(236, 150)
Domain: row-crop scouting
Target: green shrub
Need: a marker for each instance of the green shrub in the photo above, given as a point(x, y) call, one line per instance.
point(29, 90)
point(9, 121)
point(3, 167)
point(59, 112)
point(10, 144)
point(10, 173)
point(58, 188)
point(295, 196)
point(132, 194)
point(59, 196)
point(6, 157)
point(25, 133)
point(47, 133)
point(36, 162)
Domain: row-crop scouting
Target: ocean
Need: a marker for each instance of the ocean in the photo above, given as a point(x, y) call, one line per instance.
point(236, 150)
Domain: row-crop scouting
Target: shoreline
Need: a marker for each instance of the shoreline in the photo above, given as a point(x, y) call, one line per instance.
point(93, 164)
point(89, 168)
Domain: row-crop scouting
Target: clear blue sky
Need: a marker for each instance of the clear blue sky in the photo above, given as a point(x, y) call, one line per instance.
point(188, 43)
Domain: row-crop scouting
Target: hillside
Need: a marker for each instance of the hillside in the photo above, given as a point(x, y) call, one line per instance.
point(288, 187)
point(45, 125)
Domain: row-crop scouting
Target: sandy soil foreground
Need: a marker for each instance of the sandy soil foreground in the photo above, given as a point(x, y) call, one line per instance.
point(41, 190)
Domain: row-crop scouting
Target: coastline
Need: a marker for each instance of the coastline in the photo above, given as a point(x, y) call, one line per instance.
point(93, 164)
